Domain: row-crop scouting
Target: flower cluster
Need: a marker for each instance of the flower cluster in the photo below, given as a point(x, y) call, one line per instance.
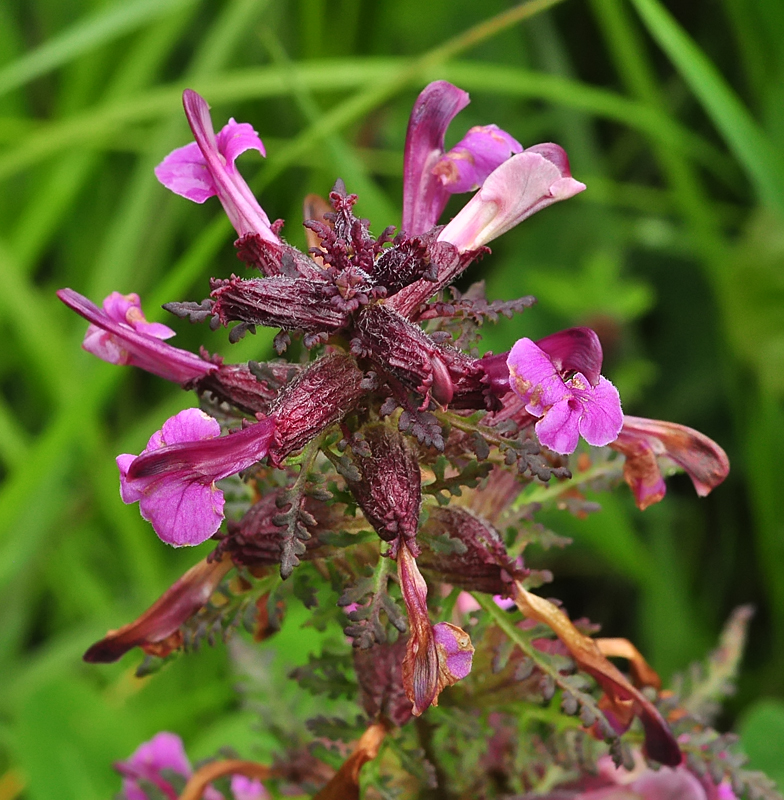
point(384, 414)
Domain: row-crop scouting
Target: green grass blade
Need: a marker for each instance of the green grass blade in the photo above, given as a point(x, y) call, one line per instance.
point(732, 119)
point(83, 37)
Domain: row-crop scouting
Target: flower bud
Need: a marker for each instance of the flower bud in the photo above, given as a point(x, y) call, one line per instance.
point(389, 490)
point(320, 396)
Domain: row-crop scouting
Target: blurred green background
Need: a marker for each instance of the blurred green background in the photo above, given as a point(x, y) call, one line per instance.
point(675, 254)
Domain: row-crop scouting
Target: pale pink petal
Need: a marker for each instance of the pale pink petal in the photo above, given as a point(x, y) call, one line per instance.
point(521, 186)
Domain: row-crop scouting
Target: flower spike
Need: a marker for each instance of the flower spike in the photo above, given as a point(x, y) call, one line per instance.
point(205, 168)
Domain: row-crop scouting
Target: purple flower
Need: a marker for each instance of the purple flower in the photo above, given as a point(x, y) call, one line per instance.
point(429, 175)
point(120, 334)
point(650, 444)
point(173, 479)
point(519, 187)
point(164, 752)
point(205, 168)
point(558, 380)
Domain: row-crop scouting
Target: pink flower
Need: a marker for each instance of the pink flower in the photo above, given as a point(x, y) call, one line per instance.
point(120, 334)
point(430, 175)
point(244, 788)
point(205, 168)
point(164, 752)
point(173, 479)
point(649, 445)
point(558, 380)
point(515, 190)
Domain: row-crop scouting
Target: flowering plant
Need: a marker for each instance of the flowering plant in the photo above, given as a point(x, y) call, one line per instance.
point(394, 464)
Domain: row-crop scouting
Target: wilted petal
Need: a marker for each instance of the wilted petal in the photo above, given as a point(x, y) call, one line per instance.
point(424, 197)
point(649, 444)
point(466, 166)
point(521, 186)
point(455, 653)
point(345, 783)
point(623, 698)
point(436, 656)
point(165, 616)
point(174, 477)
point(120, 334)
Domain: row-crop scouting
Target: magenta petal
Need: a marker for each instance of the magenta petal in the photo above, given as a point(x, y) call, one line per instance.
point(184, 171)
point(521, 186)
point(244, 788)
point(666, 784)
point(533, 376)
point(574, 350)
point(424, 198)
point(183, 511)
point(466, 166)
point(174, 478)
point(602, 417)
point(558, 428)
point(237, 137)
point(454, 659)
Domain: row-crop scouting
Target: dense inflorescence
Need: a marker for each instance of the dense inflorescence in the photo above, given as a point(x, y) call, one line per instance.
point(387, 461)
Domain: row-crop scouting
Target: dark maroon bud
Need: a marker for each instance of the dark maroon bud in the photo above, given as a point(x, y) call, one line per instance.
point(477, 559)
point(405, 351)
point(279, 302)
point(255, 540)
point(448, 263)
point(389, 489)
point(403, 263)
point(250, 389)
point(379, 672)
point(319, 397)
